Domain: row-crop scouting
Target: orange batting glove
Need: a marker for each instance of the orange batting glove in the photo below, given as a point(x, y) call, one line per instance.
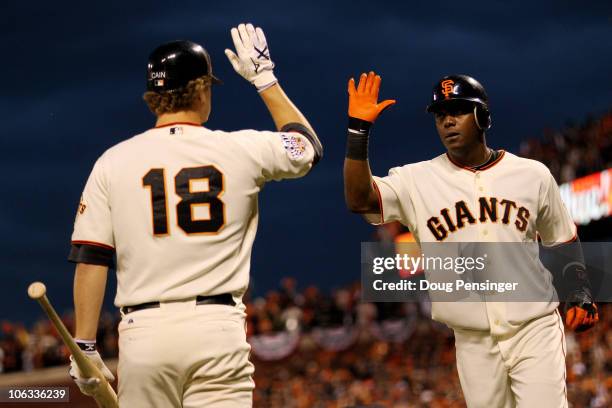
point(363, 99)
point(582, 317)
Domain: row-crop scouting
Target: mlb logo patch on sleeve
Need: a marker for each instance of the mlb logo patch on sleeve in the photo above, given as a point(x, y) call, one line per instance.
point(176, 130)
point(294, 145)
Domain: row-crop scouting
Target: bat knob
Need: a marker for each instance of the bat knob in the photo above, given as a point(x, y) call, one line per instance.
point(36, 290)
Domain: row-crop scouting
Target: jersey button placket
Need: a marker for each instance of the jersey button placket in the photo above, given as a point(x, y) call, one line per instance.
point(478, 189)
point(481, 190)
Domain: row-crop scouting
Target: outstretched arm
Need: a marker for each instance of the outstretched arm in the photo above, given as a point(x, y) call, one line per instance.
point(359, 190)
point(252, 61)
point(282, 110)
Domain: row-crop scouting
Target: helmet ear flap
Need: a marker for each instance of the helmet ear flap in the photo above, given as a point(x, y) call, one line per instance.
point(482, 117)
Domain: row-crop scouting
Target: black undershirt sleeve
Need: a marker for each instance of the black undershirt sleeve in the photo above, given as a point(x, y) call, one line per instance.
point(92, 254)
point(568, 259)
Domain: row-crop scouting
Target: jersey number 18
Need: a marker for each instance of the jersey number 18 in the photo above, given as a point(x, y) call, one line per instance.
point(155, 179)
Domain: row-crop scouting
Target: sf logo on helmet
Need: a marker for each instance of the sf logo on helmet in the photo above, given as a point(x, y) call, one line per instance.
point(447, 87)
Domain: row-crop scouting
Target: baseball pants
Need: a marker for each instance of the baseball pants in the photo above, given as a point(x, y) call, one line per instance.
point(524, 371)
point(184, 355)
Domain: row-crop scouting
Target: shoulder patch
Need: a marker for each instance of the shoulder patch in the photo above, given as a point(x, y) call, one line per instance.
point(294, 145)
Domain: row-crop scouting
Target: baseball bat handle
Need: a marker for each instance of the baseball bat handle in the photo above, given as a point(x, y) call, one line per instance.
point(105, 397)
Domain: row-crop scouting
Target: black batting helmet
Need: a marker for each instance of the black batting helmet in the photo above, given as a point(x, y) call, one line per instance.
point(172, 65)
point(462, 88)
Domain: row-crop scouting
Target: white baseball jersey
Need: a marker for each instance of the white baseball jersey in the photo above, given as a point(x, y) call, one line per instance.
point(512, 199)
point(178, 203)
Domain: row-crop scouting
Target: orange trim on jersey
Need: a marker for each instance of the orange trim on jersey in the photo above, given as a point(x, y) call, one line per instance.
point(494, 162)
point(488, 166)
point(380, 203)
point(177, 123)
point(572, 239)
point(92, 243)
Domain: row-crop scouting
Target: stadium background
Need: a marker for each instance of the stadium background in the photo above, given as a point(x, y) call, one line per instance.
point(73, 79)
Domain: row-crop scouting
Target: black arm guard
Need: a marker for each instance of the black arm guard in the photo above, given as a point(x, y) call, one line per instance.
point(569, 259)
point(91, 254)
point(308, 134)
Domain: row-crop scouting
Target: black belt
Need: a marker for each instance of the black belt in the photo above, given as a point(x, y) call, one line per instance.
point(222, 299)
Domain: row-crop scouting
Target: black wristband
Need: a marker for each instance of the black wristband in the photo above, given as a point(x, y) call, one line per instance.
point(357, 139)
point(88, 346)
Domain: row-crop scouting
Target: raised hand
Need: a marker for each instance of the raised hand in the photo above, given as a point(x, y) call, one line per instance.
point(363, 99)
point(252, 58)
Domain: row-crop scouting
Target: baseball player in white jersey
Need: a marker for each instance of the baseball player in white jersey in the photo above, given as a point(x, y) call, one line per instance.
point(509, 354)
point(177, 206)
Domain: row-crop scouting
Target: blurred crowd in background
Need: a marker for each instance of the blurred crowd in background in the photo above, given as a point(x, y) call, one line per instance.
point(575, 151)
point(419, 371)
point(361, 365)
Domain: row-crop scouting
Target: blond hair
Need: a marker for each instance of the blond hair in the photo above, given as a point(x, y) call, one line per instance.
point(183, 99)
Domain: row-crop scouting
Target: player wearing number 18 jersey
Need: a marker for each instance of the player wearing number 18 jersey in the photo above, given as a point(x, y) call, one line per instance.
point(180, 202)
point(177, 204)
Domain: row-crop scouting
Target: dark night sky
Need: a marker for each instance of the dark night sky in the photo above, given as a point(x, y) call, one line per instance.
point(73, 75)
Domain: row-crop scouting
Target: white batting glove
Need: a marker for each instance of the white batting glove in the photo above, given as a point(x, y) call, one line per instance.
point(253, 61)
point(89, 386)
